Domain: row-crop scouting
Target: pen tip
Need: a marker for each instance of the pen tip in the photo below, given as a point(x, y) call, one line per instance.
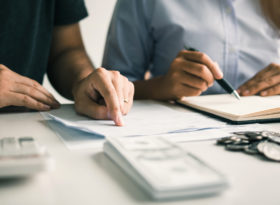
point(235, 93)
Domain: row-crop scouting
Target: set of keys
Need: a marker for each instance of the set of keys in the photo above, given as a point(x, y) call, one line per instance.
point(266, 143)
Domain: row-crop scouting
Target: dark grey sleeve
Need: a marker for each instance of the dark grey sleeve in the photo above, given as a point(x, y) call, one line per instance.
point(69, 11)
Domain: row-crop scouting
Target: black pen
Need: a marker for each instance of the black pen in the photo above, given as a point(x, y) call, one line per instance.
point(222, 82)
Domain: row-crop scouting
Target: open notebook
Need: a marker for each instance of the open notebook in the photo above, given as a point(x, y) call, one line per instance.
point(247, 110)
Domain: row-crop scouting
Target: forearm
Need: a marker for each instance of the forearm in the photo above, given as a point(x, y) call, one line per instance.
point(149, 89)
point(68, 68)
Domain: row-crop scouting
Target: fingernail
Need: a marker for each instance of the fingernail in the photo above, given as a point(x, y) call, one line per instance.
point(119, 120)
point(246, 92)
point(263, 93)
point(56, 105)
point(46, 107)
point(57, 102)
point(220, 73)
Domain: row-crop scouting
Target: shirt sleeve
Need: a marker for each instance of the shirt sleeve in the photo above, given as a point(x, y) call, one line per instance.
point(129, 42)
point(69, 11)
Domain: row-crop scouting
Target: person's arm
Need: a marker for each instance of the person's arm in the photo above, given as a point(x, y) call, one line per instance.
point(67, 57)
point(73, 75)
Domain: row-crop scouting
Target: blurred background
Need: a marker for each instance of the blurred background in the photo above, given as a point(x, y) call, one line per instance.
point(94, 30)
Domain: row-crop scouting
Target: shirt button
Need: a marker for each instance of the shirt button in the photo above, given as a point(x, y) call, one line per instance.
point(228, 10)
point(232, 49)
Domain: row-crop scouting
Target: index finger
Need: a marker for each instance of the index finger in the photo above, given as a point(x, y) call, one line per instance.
point(202, 58)
point(105, 87)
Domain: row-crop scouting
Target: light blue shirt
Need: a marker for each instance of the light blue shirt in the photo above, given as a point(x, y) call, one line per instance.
point(148, 34)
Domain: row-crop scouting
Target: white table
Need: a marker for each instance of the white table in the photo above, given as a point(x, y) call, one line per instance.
point(89, 177)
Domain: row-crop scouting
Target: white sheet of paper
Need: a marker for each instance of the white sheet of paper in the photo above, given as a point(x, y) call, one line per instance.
point(145, 118)
point(213, 134)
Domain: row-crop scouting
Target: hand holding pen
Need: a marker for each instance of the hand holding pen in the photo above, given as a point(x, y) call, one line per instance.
point(190, 74)
point(222, 82)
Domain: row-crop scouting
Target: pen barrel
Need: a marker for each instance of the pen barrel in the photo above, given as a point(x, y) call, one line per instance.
point(224, 84)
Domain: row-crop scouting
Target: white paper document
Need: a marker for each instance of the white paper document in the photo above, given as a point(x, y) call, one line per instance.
point(145, 118)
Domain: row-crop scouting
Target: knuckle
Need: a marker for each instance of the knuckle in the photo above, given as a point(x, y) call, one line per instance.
point(175, 89)
point(35, 83)
point(202, 69)
point(182, 52)
point(131, 87)
point(30, 91)
point(2, 66)
point(39, 105)
point(174, 76)
point(115, 109)
point(268, 81)
point(273, 67)
point(116, 74)
point(25, 99)
point(101, 71)
point(126, 81)
point(3, 72)
point(201, 56)
point(176, 61)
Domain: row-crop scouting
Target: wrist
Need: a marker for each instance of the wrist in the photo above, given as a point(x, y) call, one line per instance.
point(150, 89)
point(80, 77)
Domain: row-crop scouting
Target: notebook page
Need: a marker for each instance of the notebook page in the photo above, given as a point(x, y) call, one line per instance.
point(227, 104)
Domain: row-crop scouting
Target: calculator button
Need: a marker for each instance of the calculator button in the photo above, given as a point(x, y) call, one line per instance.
point(28, 146)
point(10, 147)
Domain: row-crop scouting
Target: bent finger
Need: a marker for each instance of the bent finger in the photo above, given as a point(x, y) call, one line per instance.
point(194, 81)
point(35, 84)
point(128, 91)
point(274, 90)
point(187, 90)
point(34, 93)
point(92, 109)
point(202, 58)
point(18, 99)
point(199, 70)
point(257, 86)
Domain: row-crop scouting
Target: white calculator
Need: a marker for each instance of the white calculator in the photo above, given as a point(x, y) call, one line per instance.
point(22, 156)
point(162, 169)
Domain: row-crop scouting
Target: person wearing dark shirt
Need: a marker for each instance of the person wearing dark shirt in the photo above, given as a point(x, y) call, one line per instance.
point(43, 36)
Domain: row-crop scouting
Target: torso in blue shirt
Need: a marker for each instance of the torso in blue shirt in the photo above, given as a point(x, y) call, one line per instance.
point(148, 34)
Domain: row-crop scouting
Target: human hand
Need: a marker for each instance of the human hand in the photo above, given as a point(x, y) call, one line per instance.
point(265, 83)
point(190, 73)
point(104, 86)
point(18, 90)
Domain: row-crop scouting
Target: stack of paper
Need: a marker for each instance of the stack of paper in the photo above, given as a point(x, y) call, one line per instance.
point(145, 118)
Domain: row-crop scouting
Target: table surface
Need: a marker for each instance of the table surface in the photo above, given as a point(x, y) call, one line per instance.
point(89, 177)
